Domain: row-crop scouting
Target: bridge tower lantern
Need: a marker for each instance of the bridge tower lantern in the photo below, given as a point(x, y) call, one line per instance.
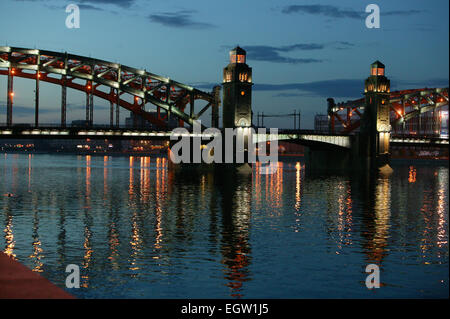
point(375, 125)
point(237, 91)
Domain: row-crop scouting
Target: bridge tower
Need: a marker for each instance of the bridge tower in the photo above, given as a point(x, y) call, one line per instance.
point(375, 124)
point(237, 104)
point(237, 91)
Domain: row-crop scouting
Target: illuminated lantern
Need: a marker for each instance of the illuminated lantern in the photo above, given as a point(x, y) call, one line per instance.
point(377, 68)
point(237, 55)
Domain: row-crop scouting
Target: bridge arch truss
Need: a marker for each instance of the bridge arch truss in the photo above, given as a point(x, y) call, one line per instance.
point(109, 81)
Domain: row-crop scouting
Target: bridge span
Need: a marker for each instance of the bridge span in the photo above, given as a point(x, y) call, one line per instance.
point(308, 138)
point(122, 86)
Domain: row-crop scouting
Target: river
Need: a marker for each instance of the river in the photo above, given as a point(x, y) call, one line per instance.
point(138, 229)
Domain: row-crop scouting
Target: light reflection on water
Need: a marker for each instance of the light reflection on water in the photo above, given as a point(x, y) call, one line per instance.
point(137, 228)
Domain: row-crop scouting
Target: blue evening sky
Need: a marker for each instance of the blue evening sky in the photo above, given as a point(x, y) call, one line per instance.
point(301, 51)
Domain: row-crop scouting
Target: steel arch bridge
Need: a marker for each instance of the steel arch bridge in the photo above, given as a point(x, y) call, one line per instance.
point(404, 106)
point(109, 81)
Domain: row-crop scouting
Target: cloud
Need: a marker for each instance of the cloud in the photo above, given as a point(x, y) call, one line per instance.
point(180, 19)
point(29, 110)
point(325, 10)
point(89, 7)
point(273, 54)
point(328, 88)
point(400, 13)
point(283, 94)
point(119, 3)
point(300, 46)
point(415, 27)
point(82, 107)
point(336, 12)
point(25, 110)
point(81, 6)
point(430, 83)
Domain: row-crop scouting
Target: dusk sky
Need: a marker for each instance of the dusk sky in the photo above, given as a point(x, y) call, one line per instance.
point(301, 52)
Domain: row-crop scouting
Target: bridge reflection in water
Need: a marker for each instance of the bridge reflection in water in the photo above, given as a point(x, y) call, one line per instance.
point(138, 229)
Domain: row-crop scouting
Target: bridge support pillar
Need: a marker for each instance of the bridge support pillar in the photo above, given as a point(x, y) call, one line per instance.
point(87, 108)
point(63, 101)
point(89, 104)
point(10, 97)
point(111, 114)
point(91, 109)
point(36, 101)
point(215, 107)
point(117, 108)
point(375, 124)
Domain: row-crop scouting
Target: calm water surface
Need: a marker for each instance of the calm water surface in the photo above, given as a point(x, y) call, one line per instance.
point(138, 229)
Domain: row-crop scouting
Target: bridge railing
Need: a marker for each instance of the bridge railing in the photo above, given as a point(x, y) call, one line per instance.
point(315, 132)
point(123, 127)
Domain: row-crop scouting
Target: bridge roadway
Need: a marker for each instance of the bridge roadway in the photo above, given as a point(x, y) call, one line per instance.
point(303, 137)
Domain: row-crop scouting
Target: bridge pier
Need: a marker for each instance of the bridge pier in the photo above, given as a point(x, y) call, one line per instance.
point(87, 108)
point(9, 97)
point(36, 100)
point(89, 104)
point(215, 107)
point(91, 109)
point(117, 108)
point(63, 101)
point(111, 114)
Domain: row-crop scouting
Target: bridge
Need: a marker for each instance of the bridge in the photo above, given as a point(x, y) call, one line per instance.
point(365, 127)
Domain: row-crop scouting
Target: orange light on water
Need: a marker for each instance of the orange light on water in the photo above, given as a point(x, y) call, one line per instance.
point(412, 174)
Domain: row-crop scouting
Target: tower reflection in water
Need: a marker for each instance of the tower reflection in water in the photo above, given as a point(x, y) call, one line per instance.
point(236, 199)
point(376, 191)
